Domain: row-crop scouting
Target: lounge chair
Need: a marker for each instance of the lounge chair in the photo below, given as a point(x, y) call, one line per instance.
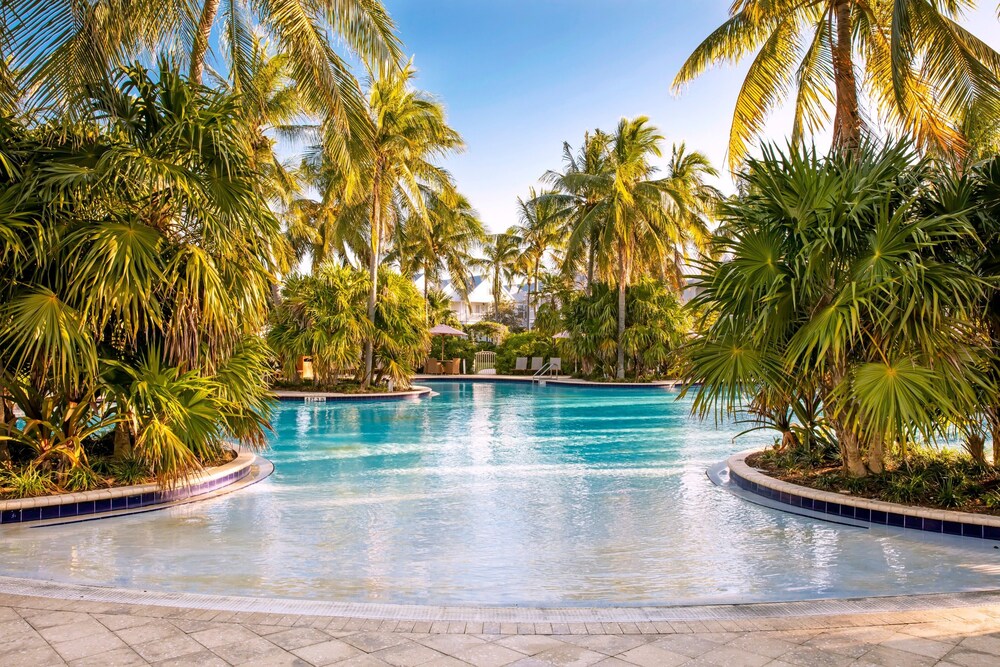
point(520, 365)
point(555, 366)
point(536, 364)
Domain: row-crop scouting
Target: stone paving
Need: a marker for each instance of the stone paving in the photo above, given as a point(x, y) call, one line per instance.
point(36, 632)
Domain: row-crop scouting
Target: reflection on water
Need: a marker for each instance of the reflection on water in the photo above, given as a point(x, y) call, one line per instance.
point(497, 494)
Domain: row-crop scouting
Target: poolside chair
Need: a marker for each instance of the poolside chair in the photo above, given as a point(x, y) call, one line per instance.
point(452, 367)
point(520, 365)
point(536, 364)
point(432, 366)
point(555, 365)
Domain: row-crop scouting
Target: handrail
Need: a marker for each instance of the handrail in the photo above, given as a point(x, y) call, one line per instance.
point(543, 370)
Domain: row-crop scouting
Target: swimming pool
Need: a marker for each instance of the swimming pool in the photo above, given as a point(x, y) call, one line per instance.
point(498, 494)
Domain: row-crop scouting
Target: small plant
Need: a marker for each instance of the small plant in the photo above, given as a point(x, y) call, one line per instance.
point(25, 483)
point(950, 493)
point(83, 479)
point(129, 470)
point(992, 500)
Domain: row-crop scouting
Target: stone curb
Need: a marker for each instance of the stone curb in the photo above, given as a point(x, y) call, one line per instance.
point(793, 494)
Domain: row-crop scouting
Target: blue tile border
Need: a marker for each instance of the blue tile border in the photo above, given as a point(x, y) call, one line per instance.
point(77, 505)
point(905, 517)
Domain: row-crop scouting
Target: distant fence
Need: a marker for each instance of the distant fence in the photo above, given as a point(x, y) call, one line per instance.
point(484, 360)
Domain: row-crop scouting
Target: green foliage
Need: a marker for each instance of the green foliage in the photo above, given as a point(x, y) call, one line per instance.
point(656, 327)
point(129, 470)
point(920, 70)
point(324, 316)
point(495, 331)
point(82, 479)
point(137, 258)
point(526, 344)
point(25, 482)
point(846, 299)
point(922, 476)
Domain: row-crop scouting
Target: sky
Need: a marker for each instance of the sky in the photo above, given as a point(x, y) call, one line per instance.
point(520, 77)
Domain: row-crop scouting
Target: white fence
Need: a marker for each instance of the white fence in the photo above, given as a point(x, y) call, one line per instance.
point(484, 361)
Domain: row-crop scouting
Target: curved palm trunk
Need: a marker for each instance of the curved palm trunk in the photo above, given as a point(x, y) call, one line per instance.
point(847, 123)
point(621, 317)
point(200, 45)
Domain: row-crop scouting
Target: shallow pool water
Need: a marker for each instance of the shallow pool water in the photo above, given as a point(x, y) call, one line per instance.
point(498, 494)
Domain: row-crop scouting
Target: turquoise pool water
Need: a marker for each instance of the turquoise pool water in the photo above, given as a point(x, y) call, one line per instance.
point(498, 494)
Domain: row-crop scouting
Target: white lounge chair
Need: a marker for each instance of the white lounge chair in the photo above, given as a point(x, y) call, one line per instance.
point(521, 365)
point(555, 365)
point(536, 364)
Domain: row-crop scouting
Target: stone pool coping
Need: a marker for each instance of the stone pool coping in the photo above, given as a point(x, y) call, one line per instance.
point(865, 510)
point(486, 614)
point(100, 502)
point(321, 396)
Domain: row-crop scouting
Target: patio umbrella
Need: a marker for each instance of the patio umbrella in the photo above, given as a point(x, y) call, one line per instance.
point(445, 330)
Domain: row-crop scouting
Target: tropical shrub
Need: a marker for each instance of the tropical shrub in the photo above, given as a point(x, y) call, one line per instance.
point(847, 304)
point(324, 316)
point(135, 273)
point(485, 329)
point(656, 327)
point(526, 344)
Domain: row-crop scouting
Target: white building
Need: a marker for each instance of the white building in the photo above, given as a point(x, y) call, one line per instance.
point(480, 301)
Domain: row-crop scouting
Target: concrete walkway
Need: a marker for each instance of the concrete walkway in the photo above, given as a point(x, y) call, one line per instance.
point(37, 631)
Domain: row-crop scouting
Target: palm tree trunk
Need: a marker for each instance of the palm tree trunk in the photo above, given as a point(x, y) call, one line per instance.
point(847, 123)
point(200, 45)
point(621, 317)
point(427, 305)
point(376, 242)
point(590, 265)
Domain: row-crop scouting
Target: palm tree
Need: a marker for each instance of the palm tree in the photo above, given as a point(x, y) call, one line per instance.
point(135, 281)
point(637, 222)
point(918, 65)
point(444, 243)
point(690, 203)
point(576, 191)
point(61, 44)
point(410, 131)
point(540, 228)
point(862, 314)
point(503, 260)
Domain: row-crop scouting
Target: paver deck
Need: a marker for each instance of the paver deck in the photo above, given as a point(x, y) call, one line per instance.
point(41, 631)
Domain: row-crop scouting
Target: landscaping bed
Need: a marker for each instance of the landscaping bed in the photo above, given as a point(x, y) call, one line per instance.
point(344, 387)
point(28, 481)
point(938, 479)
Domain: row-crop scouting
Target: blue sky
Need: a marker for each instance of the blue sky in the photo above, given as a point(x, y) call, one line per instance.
point(519, 77)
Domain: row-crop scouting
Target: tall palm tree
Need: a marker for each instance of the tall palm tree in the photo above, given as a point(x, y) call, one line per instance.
point(574, 188)
point(60, 44)
point(444, 243)
point(691, 204)
point(502, 259)
point(540, 219)
point(638, 221)
point(916, 63)
point(409, 133)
